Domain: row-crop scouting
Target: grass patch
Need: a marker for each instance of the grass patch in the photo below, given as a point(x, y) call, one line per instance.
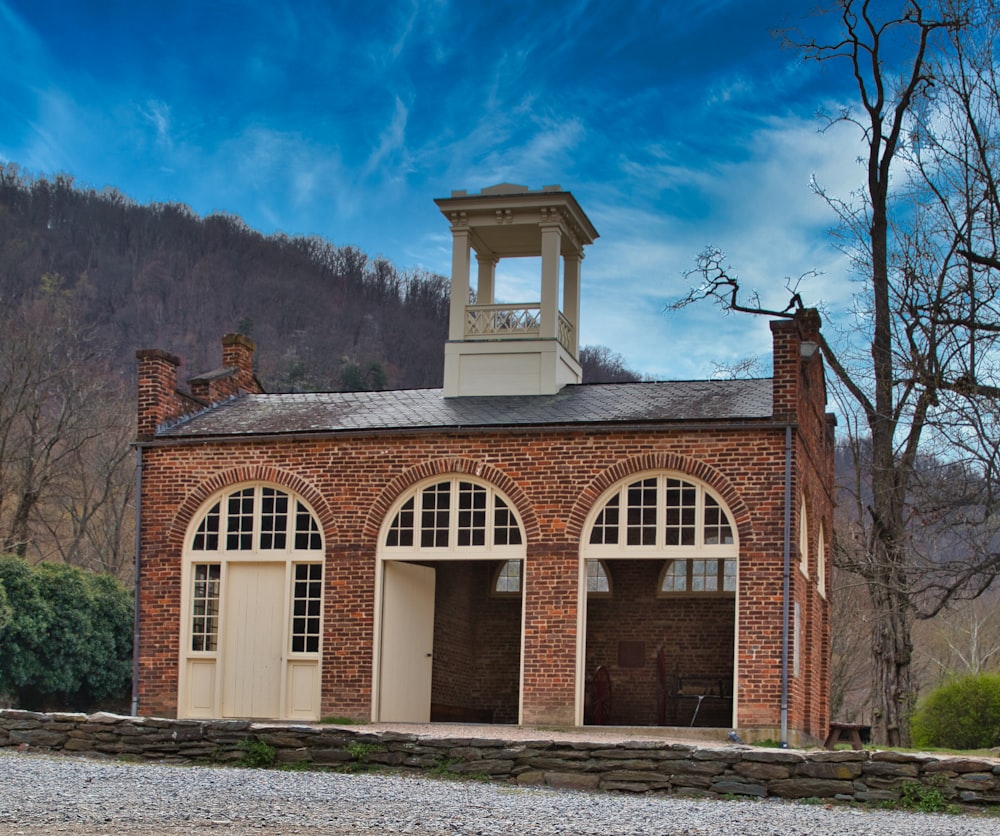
point(924, 798)
point(360, 752)
point(342, 721)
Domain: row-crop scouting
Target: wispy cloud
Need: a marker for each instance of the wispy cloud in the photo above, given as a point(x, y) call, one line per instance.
point(391, 142)
point(157, 113)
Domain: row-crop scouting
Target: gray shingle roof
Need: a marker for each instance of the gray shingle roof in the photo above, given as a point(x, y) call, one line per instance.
point(608, 403)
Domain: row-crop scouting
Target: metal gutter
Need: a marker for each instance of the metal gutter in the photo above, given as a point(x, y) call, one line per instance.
point(138, 563)
point(786, 586)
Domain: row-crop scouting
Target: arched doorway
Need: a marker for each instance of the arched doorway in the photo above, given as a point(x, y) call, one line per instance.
point(659, 562)
point(251, 604)
point(450, 606)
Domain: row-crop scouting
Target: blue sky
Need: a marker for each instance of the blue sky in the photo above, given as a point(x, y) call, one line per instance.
point(674, 125)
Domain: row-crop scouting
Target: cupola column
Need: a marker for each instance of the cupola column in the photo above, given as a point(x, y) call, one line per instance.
point(459, 277)
point(551, 242)
point(571, 299)
point(486, 279)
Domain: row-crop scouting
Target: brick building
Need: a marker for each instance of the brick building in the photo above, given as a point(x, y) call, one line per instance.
point(516, 547)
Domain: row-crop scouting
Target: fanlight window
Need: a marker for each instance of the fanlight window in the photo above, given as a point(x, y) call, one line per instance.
point(698, 576)
point(455, 515)
point(507, 580)
point(662, 514)
point(257, 519)
point(598, 582)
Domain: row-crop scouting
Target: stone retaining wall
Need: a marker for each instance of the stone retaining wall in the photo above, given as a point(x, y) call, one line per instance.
point(641, 766)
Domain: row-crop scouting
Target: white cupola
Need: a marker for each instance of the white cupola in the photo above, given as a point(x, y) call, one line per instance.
point(514, 348)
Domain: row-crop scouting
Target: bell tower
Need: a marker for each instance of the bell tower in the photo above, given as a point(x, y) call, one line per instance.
point(514, 348)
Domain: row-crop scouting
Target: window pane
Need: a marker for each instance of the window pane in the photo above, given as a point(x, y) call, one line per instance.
point(704, 575)
point(207, 536)
point(471, 514)
point(506, 531)
point(307, 595)
point(597, 577)
point(675, 577)
point(509, 577)
point(717, 528)
point(605, 530)
point(680, 503)
point(273, 518)
point(205, 606)
point(640, 524)
point(239, 521)
point(729, 575)
point(306, 529)
point(434, 515)
point(401, 530)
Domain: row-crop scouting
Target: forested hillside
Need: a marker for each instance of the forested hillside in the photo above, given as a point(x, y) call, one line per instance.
point(160, 276)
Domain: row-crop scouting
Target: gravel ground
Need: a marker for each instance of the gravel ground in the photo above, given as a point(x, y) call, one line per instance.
point(42, 794)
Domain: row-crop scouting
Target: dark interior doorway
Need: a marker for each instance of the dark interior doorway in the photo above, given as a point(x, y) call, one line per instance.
point(665, 659)
point(477, 645)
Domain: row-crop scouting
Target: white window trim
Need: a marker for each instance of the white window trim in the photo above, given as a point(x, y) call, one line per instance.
point(452, 551)
point(660, 550)
point(804, 539)
point(821, 562)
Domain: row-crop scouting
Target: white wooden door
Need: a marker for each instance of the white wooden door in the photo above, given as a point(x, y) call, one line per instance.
point(407, 643)
point(254, 640)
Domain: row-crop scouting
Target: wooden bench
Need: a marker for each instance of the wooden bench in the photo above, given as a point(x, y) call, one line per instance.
point(857, 734)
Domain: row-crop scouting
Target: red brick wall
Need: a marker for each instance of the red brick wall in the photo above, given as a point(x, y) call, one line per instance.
point(552, 481)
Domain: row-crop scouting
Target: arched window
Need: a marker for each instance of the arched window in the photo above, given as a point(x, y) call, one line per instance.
point(660, 515)
point(702, 577)
point(257, 519)
point(507, 579)
point(456, 516)
point(598, 579)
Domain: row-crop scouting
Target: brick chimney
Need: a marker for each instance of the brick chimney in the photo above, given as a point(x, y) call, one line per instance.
point(235, 376)
point(158, 400)
point(796, 347)
point(237, 353)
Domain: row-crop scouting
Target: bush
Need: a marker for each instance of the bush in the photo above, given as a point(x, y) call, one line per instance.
point(68, 640)
point(961, 714)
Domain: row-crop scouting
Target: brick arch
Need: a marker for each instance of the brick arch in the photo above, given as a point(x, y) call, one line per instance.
point(445, 467)
point(685, 465)
point(240, 475)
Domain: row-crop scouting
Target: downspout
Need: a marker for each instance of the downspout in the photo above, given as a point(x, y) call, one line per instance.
point(138, 563)
point(786, 587)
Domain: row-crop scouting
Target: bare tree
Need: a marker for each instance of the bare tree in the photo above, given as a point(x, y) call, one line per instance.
point(916, 369)
point(962, 640)
point(65, 426)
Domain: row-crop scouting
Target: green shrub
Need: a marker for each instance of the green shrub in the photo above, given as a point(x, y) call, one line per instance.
point(961, 714)
point(67, 642)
